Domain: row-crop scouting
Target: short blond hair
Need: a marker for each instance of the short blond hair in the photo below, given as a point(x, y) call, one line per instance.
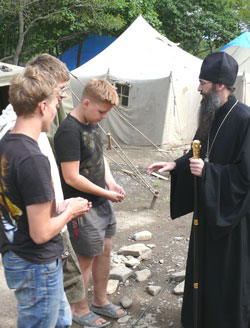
point(52, 65)
point(100, 90)
point(29, 88)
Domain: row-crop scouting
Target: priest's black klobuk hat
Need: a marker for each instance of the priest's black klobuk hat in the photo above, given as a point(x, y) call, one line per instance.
point(219, 67)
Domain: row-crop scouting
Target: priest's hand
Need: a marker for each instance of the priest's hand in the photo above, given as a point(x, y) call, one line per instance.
point(161, 167)
point(196, 166)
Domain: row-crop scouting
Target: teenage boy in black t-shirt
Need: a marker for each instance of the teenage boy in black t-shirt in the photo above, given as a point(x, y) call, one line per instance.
point(85, 172)
point(72, 275)
point(30, 241)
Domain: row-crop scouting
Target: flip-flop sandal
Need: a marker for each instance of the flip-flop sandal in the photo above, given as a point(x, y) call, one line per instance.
point(89, 319)
point(110, 310)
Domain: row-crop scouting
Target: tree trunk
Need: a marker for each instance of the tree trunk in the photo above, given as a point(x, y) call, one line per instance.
point(21, 33)
point(6, 42)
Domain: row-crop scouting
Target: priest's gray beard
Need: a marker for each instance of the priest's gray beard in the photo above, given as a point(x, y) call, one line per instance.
point(208, 108)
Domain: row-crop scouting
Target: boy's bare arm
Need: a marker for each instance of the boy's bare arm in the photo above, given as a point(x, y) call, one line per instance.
point(110, 181)
point(70, 171)
point(43, 227)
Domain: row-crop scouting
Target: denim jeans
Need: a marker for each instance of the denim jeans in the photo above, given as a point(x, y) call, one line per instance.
point(42, 302)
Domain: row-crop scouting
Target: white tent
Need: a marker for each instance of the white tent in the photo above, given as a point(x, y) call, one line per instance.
point(7, 71)
point(157, 82)
point(239, 48)
point(242, 85)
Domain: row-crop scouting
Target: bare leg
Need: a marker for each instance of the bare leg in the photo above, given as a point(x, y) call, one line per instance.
point(81, 308)
point(73, 306)
point(100, 272)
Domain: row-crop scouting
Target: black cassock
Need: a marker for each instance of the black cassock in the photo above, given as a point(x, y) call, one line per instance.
point(224, 223)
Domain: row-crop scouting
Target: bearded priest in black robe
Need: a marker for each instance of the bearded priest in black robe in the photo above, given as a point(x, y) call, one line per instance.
point(223, 172)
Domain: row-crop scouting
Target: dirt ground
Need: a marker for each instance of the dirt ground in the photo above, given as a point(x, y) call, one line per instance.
point(170, 237)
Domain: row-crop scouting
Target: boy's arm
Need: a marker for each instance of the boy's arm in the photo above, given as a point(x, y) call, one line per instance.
point(43, 227)
point(110, 181)
point(70, 171)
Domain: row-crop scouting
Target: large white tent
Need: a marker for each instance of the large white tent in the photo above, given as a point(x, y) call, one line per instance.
point(157, 82)
point(239, 48)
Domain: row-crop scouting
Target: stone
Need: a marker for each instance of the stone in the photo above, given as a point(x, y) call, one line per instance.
point(151, 245)
point(178, 276)
point(112, 286)
point(120, 273)
point(137, 250)
point(124, 319)
point(132, 261)
point(126, 302)
point(154, 290)
point(149, 318)
point(117, 260)
point(142, 275)
point(179, 289)
point(178, 238)
point(126, 283)
point(142, 235)
point(115, 265)
point(146, 255)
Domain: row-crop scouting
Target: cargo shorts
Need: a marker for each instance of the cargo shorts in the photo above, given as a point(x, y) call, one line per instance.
point(87, 237)
point(72, 276)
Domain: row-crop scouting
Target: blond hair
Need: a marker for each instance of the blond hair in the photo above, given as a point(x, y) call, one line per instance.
point(100, 90)
point(29, 88)
point(52, 65)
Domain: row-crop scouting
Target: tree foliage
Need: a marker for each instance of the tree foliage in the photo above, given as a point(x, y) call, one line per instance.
point(29, 27)
point(42, 25)
point(200, 26)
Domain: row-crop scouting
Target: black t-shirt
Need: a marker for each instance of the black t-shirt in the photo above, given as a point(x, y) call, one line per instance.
point(25, 179)
point(75, 141)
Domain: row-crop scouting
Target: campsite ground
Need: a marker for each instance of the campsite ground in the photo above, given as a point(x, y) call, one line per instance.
point(170, 239)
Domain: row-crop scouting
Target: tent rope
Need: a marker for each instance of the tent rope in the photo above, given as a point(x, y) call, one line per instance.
point(142, 180)
point(115, 109)
point(133, 175)
point(130, 164)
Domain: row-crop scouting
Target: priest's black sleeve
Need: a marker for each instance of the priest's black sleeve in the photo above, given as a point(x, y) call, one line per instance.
point(182, 185)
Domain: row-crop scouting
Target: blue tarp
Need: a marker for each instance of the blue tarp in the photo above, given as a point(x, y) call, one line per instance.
point(241, 41)
point(91, 47)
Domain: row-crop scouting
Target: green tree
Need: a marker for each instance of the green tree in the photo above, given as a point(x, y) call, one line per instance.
point(200, 26)
point(131, 9)
point(44, 25)
point(54, 26)
point(242, 8)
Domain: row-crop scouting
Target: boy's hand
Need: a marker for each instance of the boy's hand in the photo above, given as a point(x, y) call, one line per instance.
point(114, 196)
point(117, 188)
point(76, 206)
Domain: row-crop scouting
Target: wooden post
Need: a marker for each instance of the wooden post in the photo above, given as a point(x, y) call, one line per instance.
point(154, 200)
point(109, 147)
